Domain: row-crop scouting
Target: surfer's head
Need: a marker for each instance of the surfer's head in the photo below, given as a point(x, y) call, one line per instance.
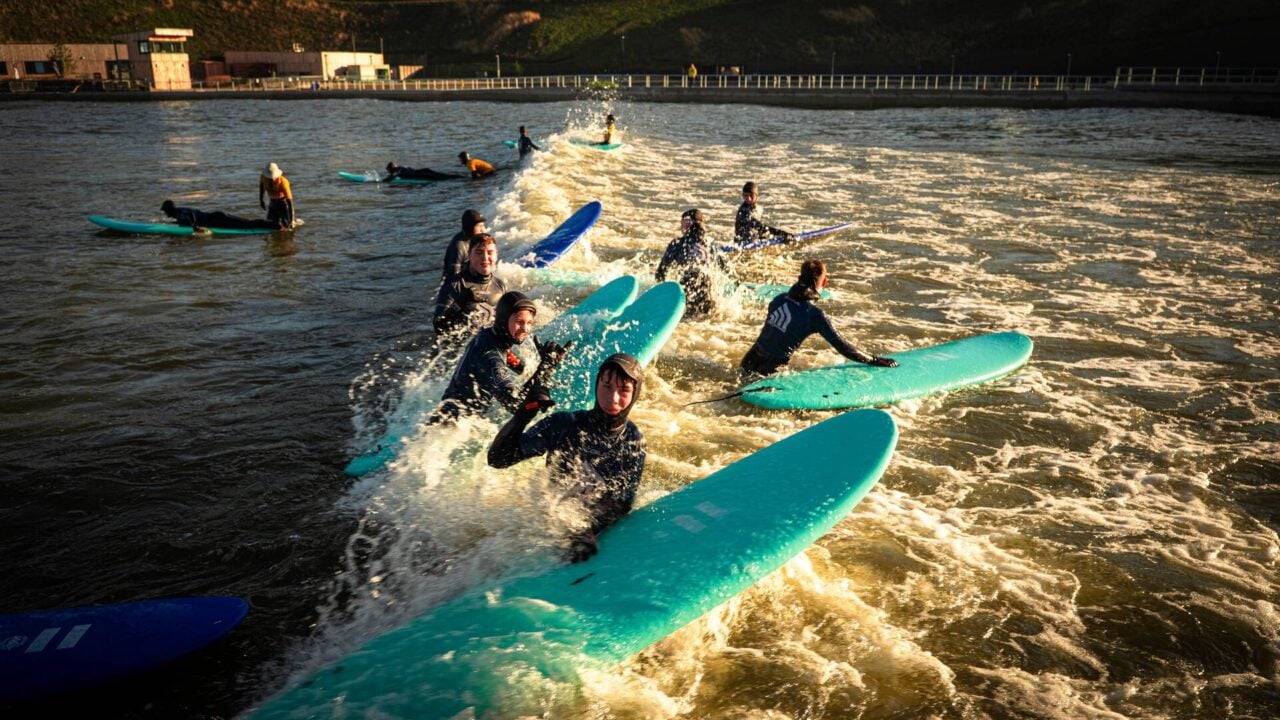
point(472, 222)
point(482, 254)
point(464, 157)
point(690, 218)
point(813, 273)
point(513, 316)
point(749, 193)
point(168, 208)
point(618, 387)
point(391, 166)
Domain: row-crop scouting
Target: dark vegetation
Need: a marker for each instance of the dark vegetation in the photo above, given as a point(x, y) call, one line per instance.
point(461, 38)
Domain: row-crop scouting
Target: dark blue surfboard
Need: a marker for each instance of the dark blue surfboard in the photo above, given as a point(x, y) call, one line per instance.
point(767, 242)
point(58, 650)
point(562, 238)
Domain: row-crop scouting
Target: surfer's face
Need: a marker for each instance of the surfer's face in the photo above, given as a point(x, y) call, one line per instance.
point(519, 325)
point(614, 392)
point(749, 198)
point(483, 258)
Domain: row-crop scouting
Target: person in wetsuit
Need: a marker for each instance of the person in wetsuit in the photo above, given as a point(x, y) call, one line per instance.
point(455, 256)
point(199, 220)
point(477, 167)
point(466, 302)
point(747, 226)
point(690, 260)
point(525, 143)
point(498, 362)
point(274, 186)
point(609, 123)
point(792, 318)
point(407, 173)
point(595, 455)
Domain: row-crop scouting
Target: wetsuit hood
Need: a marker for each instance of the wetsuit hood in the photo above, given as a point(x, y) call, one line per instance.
point(803, 291)
point(509, 304)
point(627, 366)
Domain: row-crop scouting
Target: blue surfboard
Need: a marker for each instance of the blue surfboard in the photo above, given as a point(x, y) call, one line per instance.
point(577, 324)
point(498, 651)
point(138, 228)
point(550, 248)
point(61, 650)
point(920, 372)
point(767, 242)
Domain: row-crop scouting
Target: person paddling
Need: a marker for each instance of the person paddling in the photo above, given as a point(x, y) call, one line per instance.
point(747, 226)
point(466, 303)
point(477, 167)
point(200, 220)
point(274, 186)
point(792, 318)
point(404, 172)
point(595, 456)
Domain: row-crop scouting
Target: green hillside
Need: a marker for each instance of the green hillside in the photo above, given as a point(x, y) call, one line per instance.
point(462, 38)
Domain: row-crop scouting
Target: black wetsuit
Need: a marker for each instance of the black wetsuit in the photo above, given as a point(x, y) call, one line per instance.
point(466, 302)
point(749, 228)
point(792, 318)
point(190, 217)
point(690, 260)
point(493, 367)
point(455, 256)
point(526, 145)
point(408, 173)
point(599, 465)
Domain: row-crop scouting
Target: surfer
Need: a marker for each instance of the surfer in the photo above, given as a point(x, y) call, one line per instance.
point(273, 185)
point(609, 123)
point(407, 173)
point(455, 256)
point(200, 220)
point(499, 361)
point(466, 302)
point(792, 318)
point(748, 227)
point(477, 167)
point(525, 143)
point(691, 260)
point(596, 455)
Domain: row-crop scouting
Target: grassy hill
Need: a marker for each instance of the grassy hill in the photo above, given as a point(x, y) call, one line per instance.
point(461, 37)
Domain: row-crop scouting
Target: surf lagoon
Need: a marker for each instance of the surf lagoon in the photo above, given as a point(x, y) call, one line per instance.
point(1093, 536)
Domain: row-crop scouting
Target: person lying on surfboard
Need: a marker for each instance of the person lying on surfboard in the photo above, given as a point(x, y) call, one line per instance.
point(747, 226)
point(466, 302)
point(200, 220)
point(407, 173)
point(477, 167)
point(597, 455)
point(690, 260)
point(498, 363)
point(792, 318)
point(455, 256)
point(609, 123)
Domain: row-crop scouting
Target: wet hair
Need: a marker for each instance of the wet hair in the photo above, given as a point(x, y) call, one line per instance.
point(693, 214)
point(811, 270)
point(480, 239)
point(750, 187)
point(391, 166)
point(167, 206)
point(611, 118)
point(522, 130)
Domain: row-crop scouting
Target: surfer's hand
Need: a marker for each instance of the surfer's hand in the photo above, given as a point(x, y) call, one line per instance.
point(536, 400)
point(581, 547)
point(550, 352)
point(883, 362)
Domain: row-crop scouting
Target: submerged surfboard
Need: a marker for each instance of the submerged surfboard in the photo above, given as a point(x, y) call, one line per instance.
point(578, 324)
point(61, 650)
point(767, 242)
point(920, 372)
point(594, 144)
point(495, 650)
point(138, 228)
point(550, 248)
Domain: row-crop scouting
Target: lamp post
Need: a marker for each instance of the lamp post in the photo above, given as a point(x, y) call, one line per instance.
point(1216, 62)
point(497, 60)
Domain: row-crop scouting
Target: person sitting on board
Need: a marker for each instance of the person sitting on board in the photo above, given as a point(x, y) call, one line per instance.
point(477, 167)
point(792, 318)
point(200, 220)
point(596, 455)
point(525, 144)
point(747, 226)
point(275, 187)
point(466, 303)
point(403, 172)
point(609, 123)
point(499, 362)
point(455, 256)
point(692, 260)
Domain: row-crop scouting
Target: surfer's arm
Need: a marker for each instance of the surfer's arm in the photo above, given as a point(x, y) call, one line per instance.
point(502, 379)
point(823, 326)
point(512, 444)
point(447, 309)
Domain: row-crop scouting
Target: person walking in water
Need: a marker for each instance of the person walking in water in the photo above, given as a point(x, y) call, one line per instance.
point(692, 261)
point(477, 167)
point(747, 226)
point(791, 319)
point(455, 256)
point(525, 143)
point(595, 456)
point(274, 186)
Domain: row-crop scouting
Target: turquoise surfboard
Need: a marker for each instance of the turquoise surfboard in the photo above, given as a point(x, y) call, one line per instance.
point(54, 651)
point(920, 372)
point(493, 652)
point(640, 331)
point(577, 324)
point(138, 228)
point(596, 145)
point(767, 242)
point(376, 178)
point(550, 248)
point(764, 292)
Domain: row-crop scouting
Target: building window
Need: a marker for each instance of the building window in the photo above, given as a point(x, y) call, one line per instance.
point(39, 67)
point(118, 69)
point(144, 47)
point(4, 68)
